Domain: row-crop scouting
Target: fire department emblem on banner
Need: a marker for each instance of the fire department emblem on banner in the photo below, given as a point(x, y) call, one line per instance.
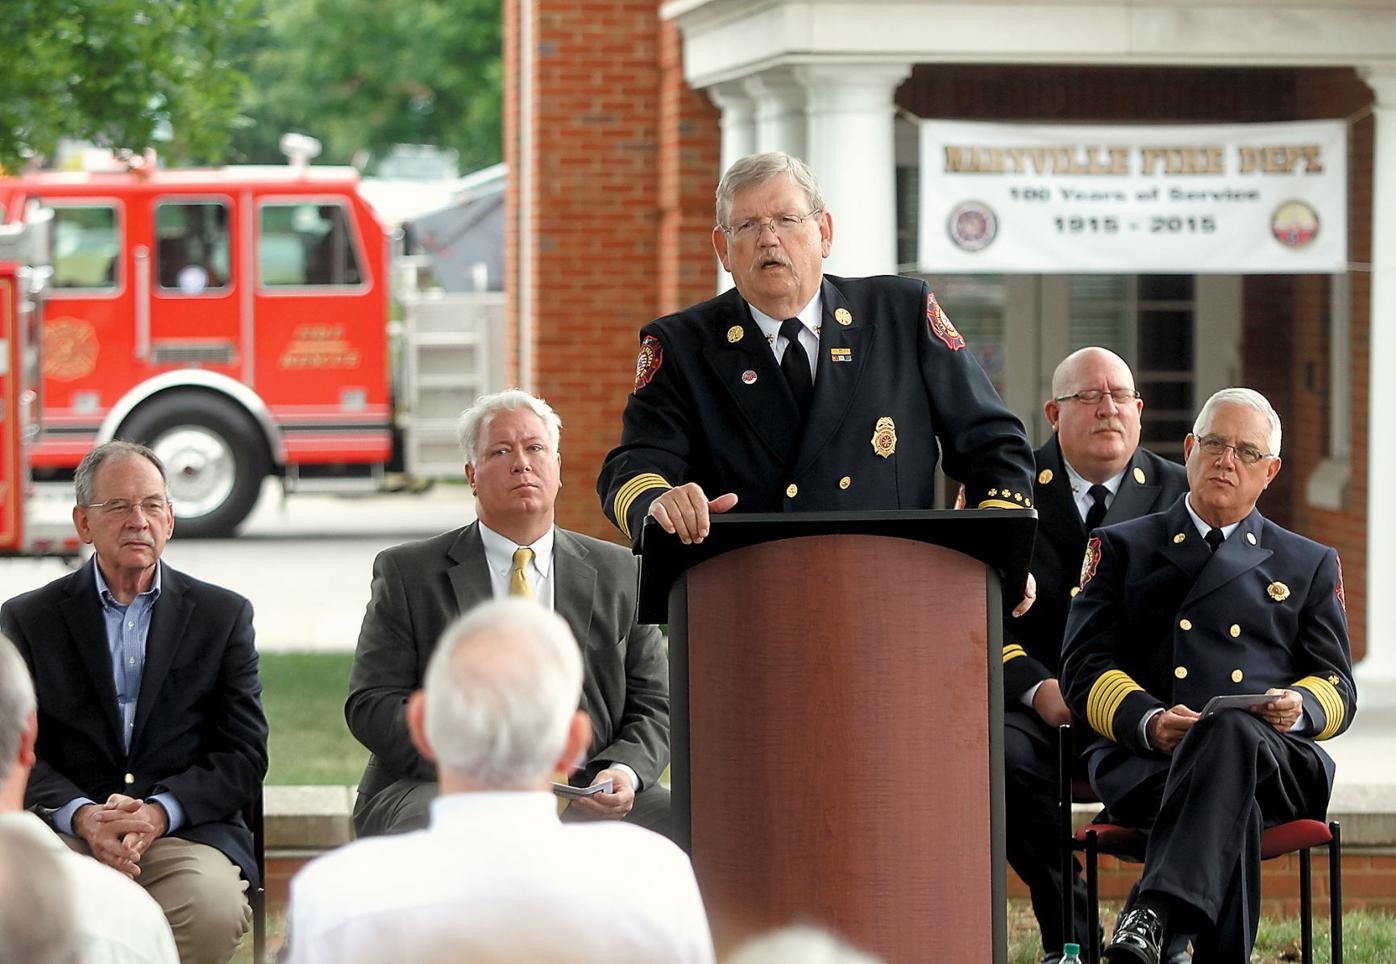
point(1092, 560)
point(649, 362)
point(940, 324)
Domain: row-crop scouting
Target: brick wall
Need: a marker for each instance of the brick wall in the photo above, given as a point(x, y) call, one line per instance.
point(623, 158)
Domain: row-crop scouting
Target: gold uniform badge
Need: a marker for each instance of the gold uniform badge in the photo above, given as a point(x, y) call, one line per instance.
point(734, 334)
point(1278, 591)
point(884, 440)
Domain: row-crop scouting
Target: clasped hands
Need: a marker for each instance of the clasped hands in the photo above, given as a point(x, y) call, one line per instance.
point(120, 831)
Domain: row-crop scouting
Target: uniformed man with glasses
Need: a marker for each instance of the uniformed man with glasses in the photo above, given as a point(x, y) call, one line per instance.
point(152, 739)
point(1208, 599)
point(1091, 472)
point(800, 391)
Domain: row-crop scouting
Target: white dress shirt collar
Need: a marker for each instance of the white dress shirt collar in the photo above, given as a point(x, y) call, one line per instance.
point(499, 558)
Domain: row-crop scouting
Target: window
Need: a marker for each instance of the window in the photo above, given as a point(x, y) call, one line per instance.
point(86, 246)
point(192, 246)
point(306, 245)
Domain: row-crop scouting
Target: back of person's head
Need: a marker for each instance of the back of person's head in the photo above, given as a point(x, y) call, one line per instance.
point(502, 689)
point(799, 944)
point(16, 704)
point(37, 920)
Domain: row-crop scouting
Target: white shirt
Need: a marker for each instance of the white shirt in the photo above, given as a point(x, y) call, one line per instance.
point(118, 922)
point(1081, 489)
point(496, 877)
point(811, 319)
point(499, 557)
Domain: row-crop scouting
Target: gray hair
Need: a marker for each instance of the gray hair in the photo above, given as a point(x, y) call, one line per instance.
point(800, 944)
point(38, 924)
point(1248, 397)
point(758, 169)
point(16, 702)
point(116, 449)
point(501, 691)
point(486, 407)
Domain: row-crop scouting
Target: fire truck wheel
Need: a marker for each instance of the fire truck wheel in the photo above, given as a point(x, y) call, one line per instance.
point(214, 455)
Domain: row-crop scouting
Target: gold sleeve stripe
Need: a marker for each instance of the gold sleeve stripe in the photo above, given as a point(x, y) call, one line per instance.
point(998, 504)
point(1104, 700)
point(625, 498)
point(1327, 695)
point(1013, 651)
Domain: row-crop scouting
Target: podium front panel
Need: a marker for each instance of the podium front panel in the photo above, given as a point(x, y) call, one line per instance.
point(841, 764)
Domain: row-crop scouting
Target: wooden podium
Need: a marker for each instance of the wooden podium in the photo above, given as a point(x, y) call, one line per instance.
point(836, 692)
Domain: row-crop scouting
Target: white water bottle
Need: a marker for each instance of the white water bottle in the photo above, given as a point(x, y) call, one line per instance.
point(1071, 954)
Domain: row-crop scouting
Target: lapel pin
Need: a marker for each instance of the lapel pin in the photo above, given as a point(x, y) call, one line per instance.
point(749, 377)
point(843, 316)
point(1044, 477)
point(1139, 475)
point(840, 354)
point(1278, 591)
point(734, 334)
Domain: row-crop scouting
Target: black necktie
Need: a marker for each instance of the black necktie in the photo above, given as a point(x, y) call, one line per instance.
point(795, 364)
point(1214, 538)
point(1097, 510)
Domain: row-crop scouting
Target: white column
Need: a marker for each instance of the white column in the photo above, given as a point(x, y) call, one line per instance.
point(1377, 671)
point(780, 112)
point(738, 126)
point(850, 148)
point(738, 121)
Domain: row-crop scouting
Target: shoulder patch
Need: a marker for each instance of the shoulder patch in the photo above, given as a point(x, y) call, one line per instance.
point(650, 361)
point(1092, 559)
point(1338, 591)
point(940, 325)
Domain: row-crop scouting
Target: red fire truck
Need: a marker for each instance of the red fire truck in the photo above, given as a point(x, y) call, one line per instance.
point(235, 320)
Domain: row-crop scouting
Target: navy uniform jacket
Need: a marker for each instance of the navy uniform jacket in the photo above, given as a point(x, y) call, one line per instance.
point(1160, 621)
point(1033, 642)
point(198, 733)
point(893, 376)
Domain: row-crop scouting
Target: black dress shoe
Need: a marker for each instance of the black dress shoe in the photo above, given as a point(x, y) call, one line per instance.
point(1137, 938)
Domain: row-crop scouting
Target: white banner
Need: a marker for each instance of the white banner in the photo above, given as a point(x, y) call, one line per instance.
point(1199, 199)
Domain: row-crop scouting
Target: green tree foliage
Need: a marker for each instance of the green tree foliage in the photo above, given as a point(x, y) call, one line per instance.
point(367, 74)
point(122, 73)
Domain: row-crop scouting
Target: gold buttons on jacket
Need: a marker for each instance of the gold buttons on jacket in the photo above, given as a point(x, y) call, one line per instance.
point(1235, 630)
point(1139, 475)
point(845, 482)
point(1181, 672)
point(1237, 676)
point(1250, 537)
point(792, 490)
point(1074, 591)
point(130, 779)
point(1185, 624)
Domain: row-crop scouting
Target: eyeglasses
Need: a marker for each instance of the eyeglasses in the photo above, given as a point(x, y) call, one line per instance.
point(784, 225)
point(1092, 396)
point(1247, 454)
point(122, 508)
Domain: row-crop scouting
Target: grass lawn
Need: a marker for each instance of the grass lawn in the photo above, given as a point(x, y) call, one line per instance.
point(303, 695)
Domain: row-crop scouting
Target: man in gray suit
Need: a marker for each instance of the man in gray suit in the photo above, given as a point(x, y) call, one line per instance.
point(510, 440)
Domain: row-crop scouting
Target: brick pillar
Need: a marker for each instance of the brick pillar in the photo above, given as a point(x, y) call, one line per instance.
point(609, 159)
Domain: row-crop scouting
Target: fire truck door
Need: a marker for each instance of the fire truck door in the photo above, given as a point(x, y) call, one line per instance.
point(187, 286)
point(11, 375)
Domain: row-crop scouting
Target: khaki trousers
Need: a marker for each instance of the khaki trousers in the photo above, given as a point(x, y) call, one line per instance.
point(201, 892)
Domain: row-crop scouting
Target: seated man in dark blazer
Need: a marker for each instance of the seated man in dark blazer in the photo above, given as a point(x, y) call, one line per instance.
point(151, 734)
point(510, 440)
point(1091, 472)
point(1208, 599)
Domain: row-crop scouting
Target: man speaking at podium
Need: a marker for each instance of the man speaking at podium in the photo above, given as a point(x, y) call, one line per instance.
point(798, 391)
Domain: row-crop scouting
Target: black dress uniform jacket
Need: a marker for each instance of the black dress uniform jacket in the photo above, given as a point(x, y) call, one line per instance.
point(1161, 620)
point(1033, 642)
point(199, 732)
point(893, 376)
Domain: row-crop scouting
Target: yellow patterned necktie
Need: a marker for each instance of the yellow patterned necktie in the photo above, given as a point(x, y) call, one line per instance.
point(518, 579)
